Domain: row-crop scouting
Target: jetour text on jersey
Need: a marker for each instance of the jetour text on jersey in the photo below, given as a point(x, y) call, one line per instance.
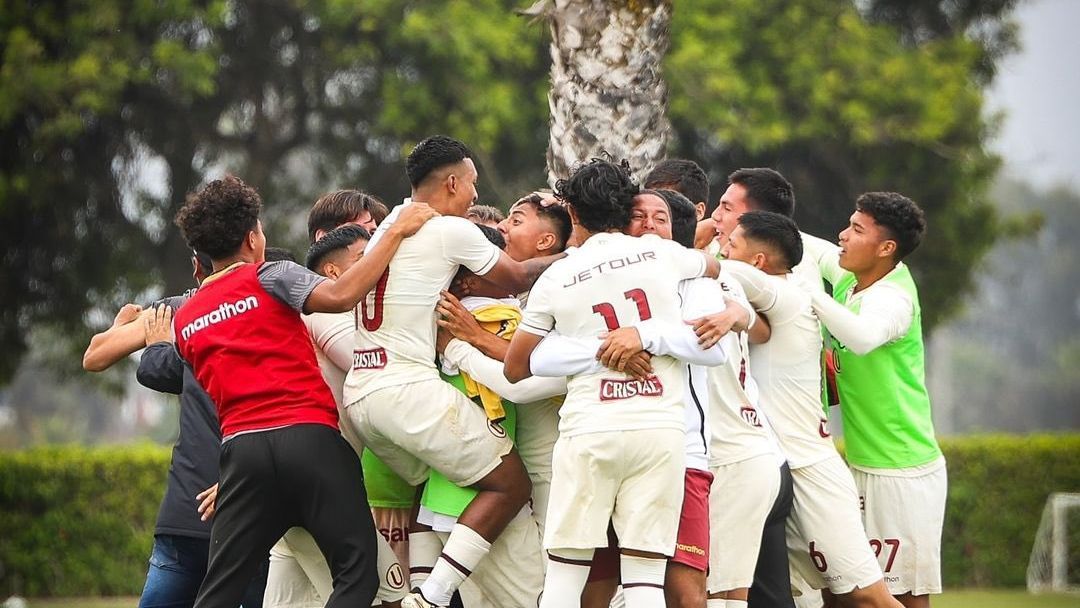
point(615, 264)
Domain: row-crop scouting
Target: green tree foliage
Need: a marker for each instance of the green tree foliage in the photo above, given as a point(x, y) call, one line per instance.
point(296, 97)
point(111, 111)
point(843, 105)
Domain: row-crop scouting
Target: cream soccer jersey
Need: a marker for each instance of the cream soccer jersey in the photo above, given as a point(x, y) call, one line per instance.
point(739, 430)
point(613, 280)
point(788, 367)
point(395, 334)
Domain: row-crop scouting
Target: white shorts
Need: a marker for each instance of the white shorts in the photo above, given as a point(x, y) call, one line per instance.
point(300, 578)
point(511, 575)
point(429, 425)
point(634, 479)
point(742, 496)
point(827, 544)
point(904, 511)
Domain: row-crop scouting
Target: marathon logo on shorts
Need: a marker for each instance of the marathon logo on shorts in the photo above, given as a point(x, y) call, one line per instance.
point(223, 312)
point(614, 390)
point(372, 358)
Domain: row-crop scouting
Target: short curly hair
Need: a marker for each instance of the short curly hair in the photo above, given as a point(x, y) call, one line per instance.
point(433, 153)
point(216, 219)
point(899, 215)
point(601, 193)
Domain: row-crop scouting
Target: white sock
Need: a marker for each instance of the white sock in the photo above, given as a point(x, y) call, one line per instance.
point(424, 549)
point(643, 581)
point(463, 551)
point(736, 604)
point(716, 603)
point(567, 571)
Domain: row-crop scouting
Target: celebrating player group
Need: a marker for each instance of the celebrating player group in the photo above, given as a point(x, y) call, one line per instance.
point(614, 395)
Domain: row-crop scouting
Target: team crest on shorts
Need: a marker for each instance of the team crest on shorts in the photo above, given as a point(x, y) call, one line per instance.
point(614, 390)
point(395, 578)
point(496, 429)
point(750, 415)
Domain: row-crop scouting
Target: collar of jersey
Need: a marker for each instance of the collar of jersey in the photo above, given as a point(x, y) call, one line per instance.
point(224, 271)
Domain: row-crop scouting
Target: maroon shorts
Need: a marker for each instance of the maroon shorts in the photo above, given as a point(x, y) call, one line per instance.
point(692, 544)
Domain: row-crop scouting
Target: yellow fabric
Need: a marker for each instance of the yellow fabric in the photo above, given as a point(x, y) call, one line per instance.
point(501, 320)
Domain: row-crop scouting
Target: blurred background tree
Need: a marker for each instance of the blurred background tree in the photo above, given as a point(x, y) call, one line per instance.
point(111, 112)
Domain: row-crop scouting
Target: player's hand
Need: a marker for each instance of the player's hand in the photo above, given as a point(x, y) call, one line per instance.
point(454, 318)
point(711, 328)
point(412, 217)
point(127, 314)
point(617, 348)
point(640, 365)
point(208, 504)
point(442, 338)
point(157, 324)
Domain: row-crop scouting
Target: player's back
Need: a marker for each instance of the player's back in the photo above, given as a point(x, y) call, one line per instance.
point(395, 323)
point(615, 280)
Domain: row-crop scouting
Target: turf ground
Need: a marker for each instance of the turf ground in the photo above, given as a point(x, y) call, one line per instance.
point(967, 598)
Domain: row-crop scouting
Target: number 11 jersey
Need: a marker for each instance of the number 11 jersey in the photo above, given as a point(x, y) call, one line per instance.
point(616, 280)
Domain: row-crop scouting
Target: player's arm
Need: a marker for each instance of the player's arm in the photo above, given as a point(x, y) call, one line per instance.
point(825, 255)
point(518, 276)
point(333, 336)
point(456, 319)
point(516, 366)
point(354, 284)
point(761, 331)
point(885, 315)
point(560, 356)
point(124, 337)
point(161, 368)
point(489, 372)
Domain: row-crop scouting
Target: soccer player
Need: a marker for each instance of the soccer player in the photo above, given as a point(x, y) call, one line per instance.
point(876, 327)
point(622, 464)
point(688, 179)
point(485, 215)
point(826, 539)
point(344, 207)
point(402, 410)
point(283, 461)
point(299, 575)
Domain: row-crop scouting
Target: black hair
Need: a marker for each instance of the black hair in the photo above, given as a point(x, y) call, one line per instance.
point(766, 189)
point(683, 217)
point(776, 231)
point(279, 254)
point(493, 235)
point(556, 215)
point(683, 176)
point(433, 153)
point(601, 193)
point(336, 208)
point(337, 239)
point(898, 214)
point(217, 219)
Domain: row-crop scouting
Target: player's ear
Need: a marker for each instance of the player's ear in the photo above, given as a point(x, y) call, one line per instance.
point(699, 211)
point(887, 248)
point(451, 183)
point(760, 260)
point(331, 270)
point(545, 242)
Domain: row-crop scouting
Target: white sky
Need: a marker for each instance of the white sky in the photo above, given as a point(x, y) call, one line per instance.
point(1039, 89)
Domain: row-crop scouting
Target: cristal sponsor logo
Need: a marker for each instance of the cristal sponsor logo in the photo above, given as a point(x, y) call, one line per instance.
point(750, 415)
point(223, 312)
point(696, 550)
point(613, 390)
point(374, 358)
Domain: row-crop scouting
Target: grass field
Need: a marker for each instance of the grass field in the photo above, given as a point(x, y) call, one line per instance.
point(975, 598)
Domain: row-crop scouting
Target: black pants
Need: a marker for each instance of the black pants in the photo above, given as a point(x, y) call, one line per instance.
point(772, 575)
point(304, 475)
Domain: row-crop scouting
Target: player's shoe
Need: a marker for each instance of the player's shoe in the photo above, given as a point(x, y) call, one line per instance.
point(416, 600)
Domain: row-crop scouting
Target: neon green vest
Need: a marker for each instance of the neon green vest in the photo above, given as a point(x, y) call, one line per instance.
point(440, 494)
point(883, 397)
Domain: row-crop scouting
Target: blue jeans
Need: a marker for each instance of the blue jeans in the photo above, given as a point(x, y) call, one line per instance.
point(177, 568)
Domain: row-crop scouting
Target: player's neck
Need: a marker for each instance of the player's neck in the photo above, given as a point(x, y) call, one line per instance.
point(436, 202)
point(866, 278)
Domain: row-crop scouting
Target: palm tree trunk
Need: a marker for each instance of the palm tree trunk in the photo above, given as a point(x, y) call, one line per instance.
point(607, 87)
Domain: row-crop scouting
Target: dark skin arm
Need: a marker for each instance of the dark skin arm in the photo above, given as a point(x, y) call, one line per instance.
point(516, 366)
point(517, 276)
point(454, 318)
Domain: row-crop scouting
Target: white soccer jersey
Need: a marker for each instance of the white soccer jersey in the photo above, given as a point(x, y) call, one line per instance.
point(614, 280)
point(395, 335)
point(738, 429)
point(788, 366)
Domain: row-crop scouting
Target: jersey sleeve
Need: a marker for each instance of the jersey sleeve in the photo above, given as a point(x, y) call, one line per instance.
point(289, 282)
point(561, 356)
point(825, 255)
point(700, 297)
point(684, 263)
point(161, 368)
point(885, 314)
point(464, 244)
point(332, 334)
point(489, 372)
point(538, 318)
point(774, 296)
